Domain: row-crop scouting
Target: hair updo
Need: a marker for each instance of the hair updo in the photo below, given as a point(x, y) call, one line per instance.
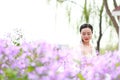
point(86, 26)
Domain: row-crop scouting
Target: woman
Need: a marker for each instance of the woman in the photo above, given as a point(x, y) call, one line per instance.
point(84, 50)
point(87, 49)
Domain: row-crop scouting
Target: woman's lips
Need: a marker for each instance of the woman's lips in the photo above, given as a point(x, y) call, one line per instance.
point(86, 39)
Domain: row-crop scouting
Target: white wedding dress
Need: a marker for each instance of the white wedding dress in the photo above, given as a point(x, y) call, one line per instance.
point(73, 60)
point(77, 56)
point(78, 52)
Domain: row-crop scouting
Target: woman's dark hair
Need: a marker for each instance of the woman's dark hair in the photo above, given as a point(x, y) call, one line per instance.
point(86, 26)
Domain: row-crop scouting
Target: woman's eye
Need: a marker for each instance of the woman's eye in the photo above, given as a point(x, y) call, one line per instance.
point(84, 34)
point(89, 34)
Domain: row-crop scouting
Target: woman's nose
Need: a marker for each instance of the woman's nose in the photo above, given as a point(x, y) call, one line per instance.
point(86, 35)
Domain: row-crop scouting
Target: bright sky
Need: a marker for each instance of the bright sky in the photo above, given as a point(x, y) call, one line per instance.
point(36, 19)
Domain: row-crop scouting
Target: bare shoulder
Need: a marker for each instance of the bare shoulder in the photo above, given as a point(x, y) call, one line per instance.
point(94, 51)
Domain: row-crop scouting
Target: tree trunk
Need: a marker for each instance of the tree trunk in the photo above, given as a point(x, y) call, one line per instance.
point(100, 28)
point(115, 3)
point(111, 17)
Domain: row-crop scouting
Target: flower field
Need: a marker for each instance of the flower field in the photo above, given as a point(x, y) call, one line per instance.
point(44, 61)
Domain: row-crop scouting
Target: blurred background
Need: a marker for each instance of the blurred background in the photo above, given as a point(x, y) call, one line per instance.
point(58, 21)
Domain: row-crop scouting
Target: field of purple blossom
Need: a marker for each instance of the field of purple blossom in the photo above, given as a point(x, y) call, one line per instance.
point(44, 61)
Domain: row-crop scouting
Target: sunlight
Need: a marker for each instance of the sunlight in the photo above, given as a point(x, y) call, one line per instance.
point(36, 19)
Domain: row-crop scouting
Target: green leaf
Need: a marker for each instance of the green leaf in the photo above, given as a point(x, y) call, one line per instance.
point(60, 1)
point(117, 64)
point(30, 68)
point(10, 74)
point(19, 54)
point(23, 78)
point(80, 76)
point(1, 77)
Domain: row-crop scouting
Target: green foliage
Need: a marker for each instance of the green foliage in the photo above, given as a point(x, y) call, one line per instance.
point(86, 12)
point(69, 13)
point(80, 77)
point(19, 54)
point(16, 43)
point(60, 1)
point(101, 10)
point(110, 22)
point(10, 74)
point(108, 47)
point(117, 64)
point(30, 68)
point(16, 37)
point(2, 77)
point(48, 1)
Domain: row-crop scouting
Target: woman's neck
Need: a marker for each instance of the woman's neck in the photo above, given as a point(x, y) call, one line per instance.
point(86, 44)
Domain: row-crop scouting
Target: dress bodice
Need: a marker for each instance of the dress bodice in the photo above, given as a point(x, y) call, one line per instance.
point(81, 51)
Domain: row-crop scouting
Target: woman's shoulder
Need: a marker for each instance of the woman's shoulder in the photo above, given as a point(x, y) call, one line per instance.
point(94, 52)
point(76, 51)
point(76, 48)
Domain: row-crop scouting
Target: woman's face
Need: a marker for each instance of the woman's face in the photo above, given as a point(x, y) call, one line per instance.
point(86, 34)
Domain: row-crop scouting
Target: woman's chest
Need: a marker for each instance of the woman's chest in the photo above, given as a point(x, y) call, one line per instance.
point(86, 50)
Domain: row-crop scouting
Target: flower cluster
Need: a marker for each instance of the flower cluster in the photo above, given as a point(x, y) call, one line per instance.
point(102, 67)
point(44, 61)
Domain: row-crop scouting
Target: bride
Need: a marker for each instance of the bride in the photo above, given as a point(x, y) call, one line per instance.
point(84, 51)
point(85, 48)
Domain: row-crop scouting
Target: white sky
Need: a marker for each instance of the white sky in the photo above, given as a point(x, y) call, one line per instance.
point(36, 19)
